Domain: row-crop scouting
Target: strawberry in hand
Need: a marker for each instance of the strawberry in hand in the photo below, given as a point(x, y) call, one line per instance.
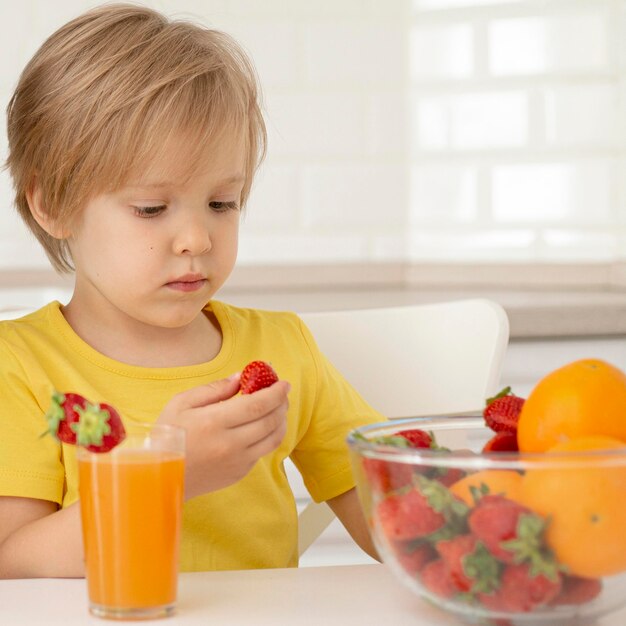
point(502, 411)
point(257, 375)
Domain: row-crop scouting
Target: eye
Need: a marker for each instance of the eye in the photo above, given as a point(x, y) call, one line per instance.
point(148, 211)
point(222, 207)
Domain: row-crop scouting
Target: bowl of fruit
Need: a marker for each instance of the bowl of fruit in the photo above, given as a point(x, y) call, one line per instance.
point(515, 516)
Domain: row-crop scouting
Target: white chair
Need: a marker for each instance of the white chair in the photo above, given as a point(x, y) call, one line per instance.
point(11, 313)
point(427, 359)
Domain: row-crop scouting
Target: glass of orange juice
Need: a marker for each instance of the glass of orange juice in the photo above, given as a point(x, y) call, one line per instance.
point(131, 502)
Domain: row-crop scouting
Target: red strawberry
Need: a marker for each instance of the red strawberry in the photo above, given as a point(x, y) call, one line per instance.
point(256, 375)
point(436, 578)
point(503, 441)
point(502, 411)
point(385, 476)
point(448, 476)
point(75, 420)
point(521, 590)
point(414, 558)
point(577, 590)
point(511, 532)
point(63, 413)
point(472, 569)
point(407, 516)
point(416, 437)
point(423, 510)
point(100, 428)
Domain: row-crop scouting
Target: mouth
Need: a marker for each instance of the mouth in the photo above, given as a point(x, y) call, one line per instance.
point(188, 282)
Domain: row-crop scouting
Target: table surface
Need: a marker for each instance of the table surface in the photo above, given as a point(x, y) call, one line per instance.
point(331, 596)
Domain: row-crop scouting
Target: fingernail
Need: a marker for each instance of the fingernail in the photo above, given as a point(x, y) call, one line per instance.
point(235, 376)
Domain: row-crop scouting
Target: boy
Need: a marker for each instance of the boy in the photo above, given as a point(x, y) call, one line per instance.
point(133, 141)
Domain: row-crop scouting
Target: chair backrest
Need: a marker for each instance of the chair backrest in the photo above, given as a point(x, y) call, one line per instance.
point(11, 313)
point(426, 359)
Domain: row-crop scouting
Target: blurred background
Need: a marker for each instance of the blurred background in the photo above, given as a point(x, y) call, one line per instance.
point(409, 130)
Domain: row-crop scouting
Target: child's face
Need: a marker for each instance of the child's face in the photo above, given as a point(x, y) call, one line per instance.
point(155, 251)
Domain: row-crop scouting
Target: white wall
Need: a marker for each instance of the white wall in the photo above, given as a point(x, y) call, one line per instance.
point(410, 130)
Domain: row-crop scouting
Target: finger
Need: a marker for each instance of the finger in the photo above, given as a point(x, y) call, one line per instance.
point(257, 405)
point(268, 443)
point(211, 393)
point(250, 433)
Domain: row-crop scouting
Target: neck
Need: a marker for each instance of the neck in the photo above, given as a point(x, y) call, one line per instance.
point(134, 343)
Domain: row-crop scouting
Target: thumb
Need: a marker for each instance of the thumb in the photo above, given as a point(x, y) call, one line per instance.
point(213, 392)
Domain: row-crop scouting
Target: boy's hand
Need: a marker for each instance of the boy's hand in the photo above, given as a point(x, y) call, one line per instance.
point(226, 433)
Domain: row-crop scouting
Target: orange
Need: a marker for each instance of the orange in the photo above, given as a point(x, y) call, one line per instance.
point(586, 397)
point(503, 482)
point(585, 505)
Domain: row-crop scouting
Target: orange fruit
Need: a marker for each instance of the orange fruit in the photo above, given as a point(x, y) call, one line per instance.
point(499, 482)
point(586, 397)
point(585, 504)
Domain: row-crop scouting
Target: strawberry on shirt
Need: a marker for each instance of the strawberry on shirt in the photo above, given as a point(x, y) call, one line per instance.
point(74, 420)
point(255, 376)
point(63, 413)
point(502, 412)
point(99, 428)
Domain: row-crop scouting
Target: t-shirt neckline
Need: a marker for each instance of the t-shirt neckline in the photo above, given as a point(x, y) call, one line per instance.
point(82, 348)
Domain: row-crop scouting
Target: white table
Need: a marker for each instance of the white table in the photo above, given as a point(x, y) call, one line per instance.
point(365, 595)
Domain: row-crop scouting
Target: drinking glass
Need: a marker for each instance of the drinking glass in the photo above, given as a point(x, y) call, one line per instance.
point(131, 502)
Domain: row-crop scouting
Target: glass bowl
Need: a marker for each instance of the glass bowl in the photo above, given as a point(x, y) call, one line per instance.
point(499, 537)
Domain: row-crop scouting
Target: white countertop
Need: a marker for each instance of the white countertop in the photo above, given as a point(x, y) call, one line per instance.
point(366, 595)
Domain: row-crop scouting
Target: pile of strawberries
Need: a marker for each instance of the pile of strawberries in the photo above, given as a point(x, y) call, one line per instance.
point(491, 554)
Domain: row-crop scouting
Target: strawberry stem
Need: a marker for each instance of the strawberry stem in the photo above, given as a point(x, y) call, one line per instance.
point(505, 392)
point(55, 414)
point(92, 426)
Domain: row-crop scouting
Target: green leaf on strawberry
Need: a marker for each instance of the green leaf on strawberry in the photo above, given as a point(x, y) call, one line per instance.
point(441, 499)
point(529, 546)
point(483, 568)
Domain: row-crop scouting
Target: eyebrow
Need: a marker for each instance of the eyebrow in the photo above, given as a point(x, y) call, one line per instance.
point(231, 180)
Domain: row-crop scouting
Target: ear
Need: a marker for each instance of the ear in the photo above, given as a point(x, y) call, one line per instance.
point(41, 216)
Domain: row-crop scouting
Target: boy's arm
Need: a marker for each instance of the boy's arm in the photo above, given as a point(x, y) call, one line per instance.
point(348, 509)
point(37, 540)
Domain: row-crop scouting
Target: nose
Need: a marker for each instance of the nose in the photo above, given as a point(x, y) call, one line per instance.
point(193, 236)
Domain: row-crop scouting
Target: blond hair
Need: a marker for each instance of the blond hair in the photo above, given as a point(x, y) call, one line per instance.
point(98, 98)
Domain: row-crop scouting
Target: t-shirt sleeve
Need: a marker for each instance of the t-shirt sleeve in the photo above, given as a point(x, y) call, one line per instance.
point(336, 408)
point(30, 464)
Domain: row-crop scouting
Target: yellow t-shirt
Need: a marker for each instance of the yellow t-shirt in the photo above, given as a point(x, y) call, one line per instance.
point(251, 524)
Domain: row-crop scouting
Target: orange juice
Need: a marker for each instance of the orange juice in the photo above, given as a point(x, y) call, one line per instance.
point(131, 507)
